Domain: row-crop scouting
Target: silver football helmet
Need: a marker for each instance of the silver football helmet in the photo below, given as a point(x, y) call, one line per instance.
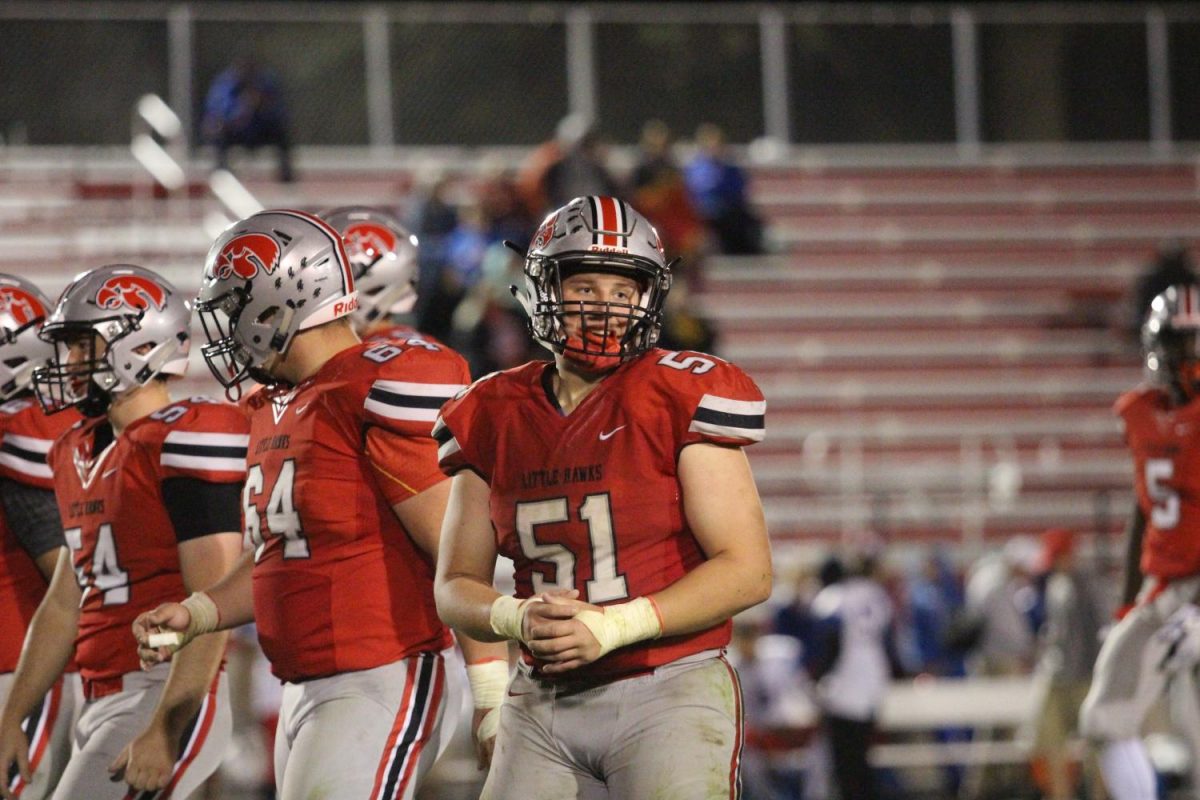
point(23, 309)
point(595, 234)
point(383, 258)
point(267, 278)
point(1171, 341)
point(114, 329)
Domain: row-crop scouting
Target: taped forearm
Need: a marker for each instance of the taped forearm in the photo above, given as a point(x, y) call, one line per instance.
point(623, 624)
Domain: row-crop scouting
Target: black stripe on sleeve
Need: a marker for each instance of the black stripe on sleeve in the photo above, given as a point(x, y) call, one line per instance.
point(407, 400)
point(727, 420)
point(205, 450)
point(23, 454)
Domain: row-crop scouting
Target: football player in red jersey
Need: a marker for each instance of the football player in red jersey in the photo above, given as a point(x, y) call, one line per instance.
point(616, 481)
point(30, 529)
point(1156, 643)
point(148, 493)
point(343, 506)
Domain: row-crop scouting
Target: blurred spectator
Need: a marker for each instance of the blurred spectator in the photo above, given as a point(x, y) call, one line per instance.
point(683, 328)
point(1070, 642)
point(853, 670)
point(1000, 595)
point(935, 599)
point(434, 219)
point(1172, 265)
point(581, 171)
point(659, 193)
point(501, 205)
point(778, 708)
point(717, 188)
point(245, 107)
point(531, 178)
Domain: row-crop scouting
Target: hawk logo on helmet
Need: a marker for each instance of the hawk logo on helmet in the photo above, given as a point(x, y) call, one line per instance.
point(245, 255)
point(132, 291)
point(20, 305)
point(367, 242)
point(545, 233)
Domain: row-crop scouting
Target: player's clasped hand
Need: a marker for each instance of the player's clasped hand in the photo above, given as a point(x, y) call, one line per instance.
point(556, 637)
point(169, 617)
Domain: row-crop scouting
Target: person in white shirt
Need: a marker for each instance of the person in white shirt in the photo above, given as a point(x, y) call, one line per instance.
point(854, 669)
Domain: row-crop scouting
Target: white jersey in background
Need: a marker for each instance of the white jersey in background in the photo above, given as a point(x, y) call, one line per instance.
point(856, 684)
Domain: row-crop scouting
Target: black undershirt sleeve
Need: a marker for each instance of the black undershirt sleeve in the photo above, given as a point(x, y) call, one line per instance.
point(200, 508)
point(32, 515)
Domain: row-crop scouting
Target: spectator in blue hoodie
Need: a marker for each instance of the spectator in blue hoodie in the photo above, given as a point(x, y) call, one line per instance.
point(717, 189)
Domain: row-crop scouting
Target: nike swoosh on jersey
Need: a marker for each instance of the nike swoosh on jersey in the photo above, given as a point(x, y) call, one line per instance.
point(604, 437)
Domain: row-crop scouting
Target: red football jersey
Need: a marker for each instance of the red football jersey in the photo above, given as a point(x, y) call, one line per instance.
point(26, 434)
point(121, 537)
point(338, 583)
point(592, 500)
point(1165, 443)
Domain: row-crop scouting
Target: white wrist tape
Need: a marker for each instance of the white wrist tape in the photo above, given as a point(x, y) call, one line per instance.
point(623, 624)
point(508, 616)
point(204, 616)
point(488, 682)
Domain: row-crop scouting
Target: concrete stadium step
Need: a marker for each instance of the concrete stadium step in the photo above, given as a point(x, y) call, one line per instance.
point(793, 272)
point(969, 201)
point(942, 515)
point(768, 353)
point(915, 430)
point(1000, 480)
point(1075, 223)
point(909, 239)
point(896, 309)
point(882, 180)
point(1066, 388)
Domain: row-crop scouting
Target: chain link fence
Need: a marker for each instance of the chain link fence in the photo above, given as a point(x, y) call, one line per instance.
point(503, 74)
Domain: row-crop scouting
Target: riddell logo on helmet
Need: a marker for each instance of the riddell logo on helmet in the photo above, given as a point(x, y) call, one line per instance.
point(131, 291)
point(367, 241)
point(605, 248)
point(245, 255)
point(345, 306)
point(20, 305)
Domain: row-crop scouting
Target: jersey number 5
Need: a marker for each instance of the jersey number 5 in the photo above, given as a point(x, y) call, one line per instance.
point(1164, 515)
point(282, 517)
point(605, 585)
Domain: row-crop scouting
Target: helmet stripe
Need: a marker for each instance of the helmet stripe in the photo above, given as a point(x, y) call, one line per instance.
point(608, 207)
point(595, 219)
point(622, 221)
